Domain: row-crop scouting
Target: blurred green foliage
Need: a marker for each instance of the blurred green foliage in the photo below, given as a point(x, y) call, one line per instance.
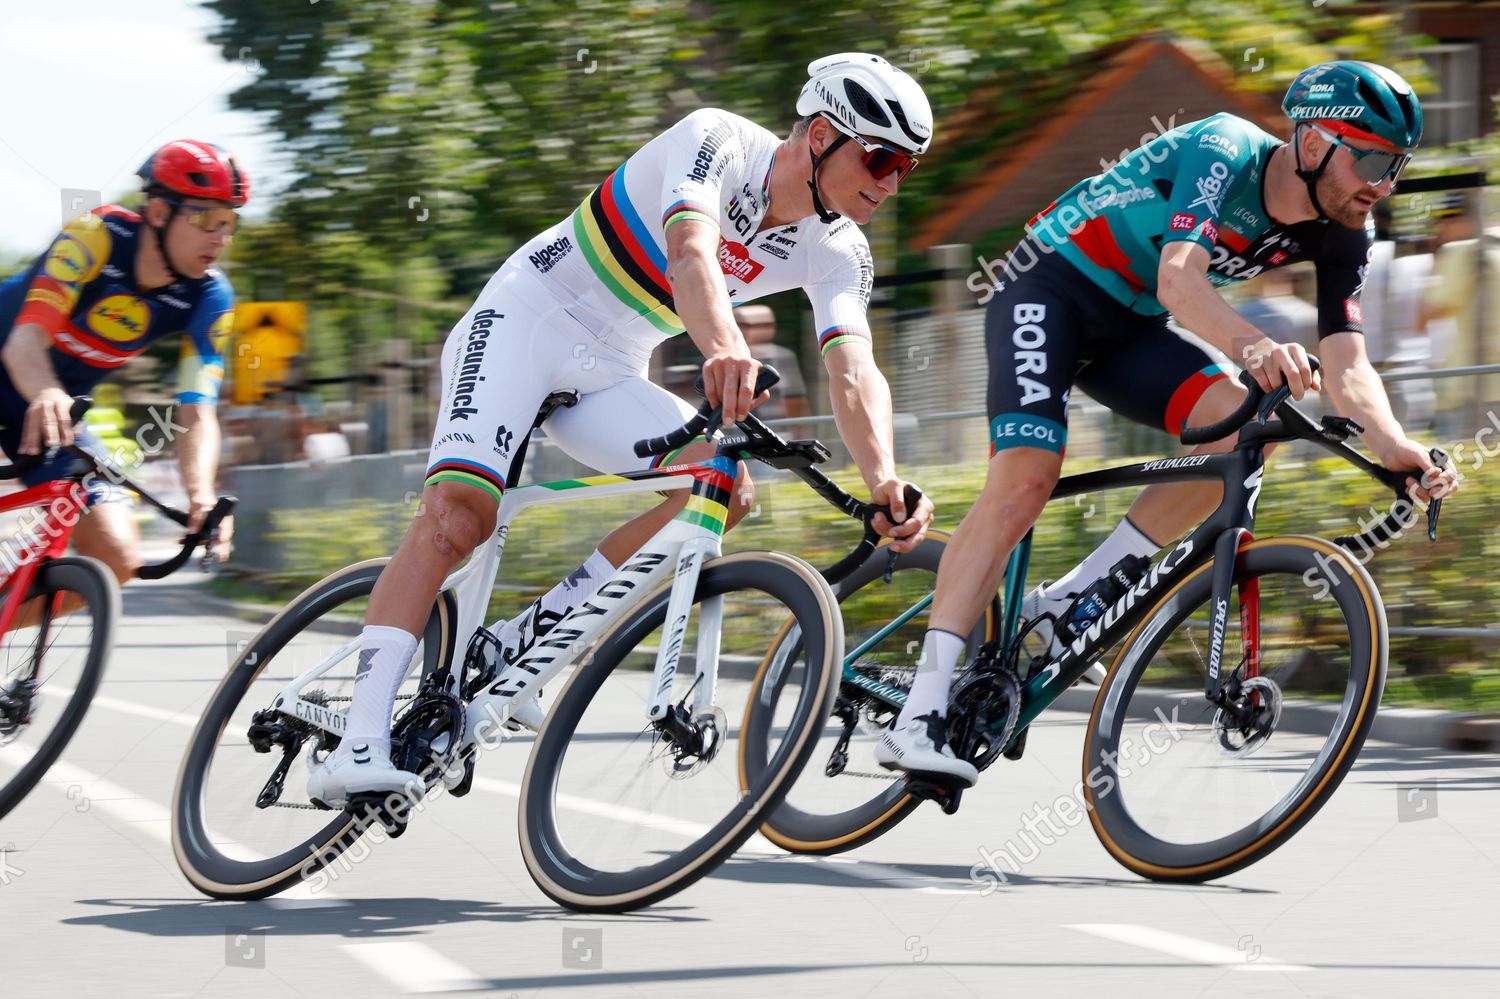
point(427, 139)
point(1423, 584)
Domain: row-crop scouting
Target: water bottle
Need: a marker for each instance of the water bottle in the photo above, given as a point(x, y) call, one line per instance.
point(1105, 591)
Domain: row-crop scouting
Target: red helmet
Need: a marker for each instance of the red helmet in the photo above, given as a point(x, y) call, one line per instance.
point(193, 169)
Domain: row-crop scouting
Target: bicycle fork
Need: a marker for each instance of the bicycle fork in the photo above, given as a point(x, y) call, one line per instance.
point(1247, 592)
point(679, 609)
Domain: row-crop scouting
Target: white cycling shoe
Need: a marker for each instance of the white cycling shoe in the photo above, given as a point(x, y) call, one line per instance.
point(1033, 608)
point(922, 747)
point(363, 769)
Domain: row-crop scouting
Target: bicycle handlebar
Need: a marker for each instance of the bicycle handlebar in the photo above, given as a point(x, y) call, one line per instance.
point(202, 536)
point(1260, 404)
point(88, 463)
point(1256, 399)
point(707, 418)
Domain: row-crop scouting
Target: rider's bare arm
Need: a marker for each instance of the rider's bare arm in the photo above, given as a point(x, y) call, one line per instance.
point(26, 361)
point(1357, 391)
point(1183, 287)
point(30, 368)
point(702, 303)
point(861, 401)
point(198, 457)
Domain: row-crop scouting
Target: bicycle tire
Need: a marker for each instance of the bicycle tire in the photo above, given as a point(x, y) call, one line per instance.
point(577, 885)
point(90, 580)
point(210, 869)
point(799, 830)
point(1153, 856)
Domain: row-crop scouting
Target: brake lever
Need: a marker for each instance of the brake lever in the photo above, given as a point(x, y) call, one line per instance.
point(1271, 401)
point(1440, 460)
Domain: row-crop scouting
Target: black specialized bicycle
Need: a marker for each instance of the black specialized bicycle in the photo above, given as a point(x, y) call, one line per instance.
point(1248, 674)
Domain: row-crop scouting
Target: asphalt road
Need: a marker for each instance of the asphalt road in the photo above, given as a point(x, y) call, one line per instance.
point(1391, 890)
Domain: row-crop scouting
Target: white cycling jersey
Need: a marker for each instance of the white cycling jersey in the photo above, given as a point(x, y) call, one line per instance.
point(607, 261)
point(582, 305)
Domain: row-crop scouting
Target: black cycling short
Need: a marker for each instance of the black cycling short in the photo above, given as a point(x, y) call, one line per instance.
point(1051, 327)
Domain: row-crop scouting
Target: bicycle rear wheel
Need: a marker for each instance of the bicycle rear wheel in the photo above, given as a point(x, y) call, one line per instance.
point(50, 668)
point(1180, 790)
point(614, 815)
point(228, 842)
point(841, 802)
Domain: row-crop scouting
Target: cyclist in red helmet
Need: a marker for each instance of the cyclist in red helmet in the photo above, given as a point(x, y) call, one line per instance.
point(112, 283)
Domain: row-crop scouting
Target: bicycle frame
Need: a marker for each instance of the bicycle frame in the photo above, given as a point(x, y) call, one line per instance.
point(1218, 537)
point(61, 502)
point(676, 552)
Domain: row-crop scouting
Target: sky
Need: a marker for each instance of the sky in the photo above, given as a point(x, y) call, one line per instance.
point(89, 88)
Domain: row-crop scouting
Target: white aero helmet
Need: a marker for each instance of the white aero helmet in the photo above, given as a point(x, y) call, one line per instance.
point(868, 95)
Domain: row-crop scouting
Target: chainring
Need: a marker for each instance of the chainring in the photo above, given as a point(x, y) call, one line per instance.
point(982, 714)
point(425, 739)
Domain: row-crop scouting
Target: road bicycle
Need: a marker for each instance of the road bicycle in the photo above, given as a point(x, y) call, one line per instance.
point(631, 791)
point(58, 612)
point(1197, 762)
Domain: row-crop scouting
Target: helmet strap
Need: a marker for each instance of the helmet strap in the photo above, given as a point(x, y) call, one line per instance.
point(161, 247)
point(817, 161)
point(1310, 177)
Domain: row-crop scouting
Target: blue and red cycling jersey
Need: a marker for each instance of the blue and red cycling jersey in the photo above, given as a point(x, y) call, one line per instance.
point(82, 291)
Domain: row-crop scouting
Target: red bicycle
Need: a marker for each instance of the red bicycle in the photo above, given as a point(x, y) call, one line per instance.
point(58, 612)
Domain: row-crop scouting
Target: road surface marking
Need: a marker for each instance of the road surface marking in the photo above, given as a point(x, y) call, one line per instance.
point(1246, 957)
point(415, 967)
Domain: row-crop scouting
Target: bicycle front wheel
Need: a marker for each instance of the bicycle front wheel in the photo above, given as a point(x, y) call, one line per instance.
point(615, 813)
point(1180, 789)
point(50, 664)
point(843, 798)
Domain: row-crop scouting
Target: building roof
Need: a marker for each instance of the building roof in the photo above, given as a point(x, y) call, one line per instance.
point(1127, 93)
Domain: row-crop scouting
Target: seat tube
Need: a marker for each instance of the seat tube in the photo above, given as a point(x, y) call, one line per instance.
point(1015, 579)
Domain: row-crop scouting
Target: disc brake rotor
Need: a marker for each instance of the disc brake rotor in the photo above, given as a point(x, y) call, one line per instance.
point(1260, 704)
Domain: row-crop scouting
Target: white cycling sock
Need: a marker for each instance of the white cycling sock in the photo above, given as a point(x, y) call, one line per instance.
point(385, 655)
point(1126, 539)
point(545, 611)
point(929, 688)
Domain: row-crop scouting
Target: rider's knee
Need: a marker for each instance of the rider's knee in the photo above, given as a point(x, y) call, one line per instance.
point(1019, 491)
point(459, 517)
point(124, 560)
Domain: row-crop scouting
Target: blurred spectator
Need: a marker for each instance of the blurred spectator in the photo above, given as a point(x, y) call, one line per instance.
point(789, 396)
point(326, 441)
point(280, 430)
point(1464, 303)
point(1392, 303)
point(1278, 313)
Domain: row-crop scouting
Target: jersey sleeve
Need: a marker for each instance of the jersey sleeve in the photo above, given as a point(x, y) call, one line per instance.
point(700, 150)
point(200, 369)
point(74, 259)
point(1341, 272)
point(1214, 155)
point(841, 297)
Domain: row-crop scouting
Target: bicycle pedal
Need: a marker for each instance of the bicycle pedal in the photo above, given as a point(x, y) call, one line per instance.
point(1018, 746)
point(465, 785)
point(932, 787)
point(375, 807)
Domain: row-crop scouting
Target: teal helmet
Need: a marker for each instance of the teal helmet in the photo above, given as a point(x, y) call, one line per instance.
point(1360, 100)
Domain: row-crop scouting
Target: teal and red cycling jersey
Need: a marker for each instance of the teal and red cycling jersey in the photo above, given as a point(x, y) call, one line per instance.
point(1202, 182)
point(82, 291)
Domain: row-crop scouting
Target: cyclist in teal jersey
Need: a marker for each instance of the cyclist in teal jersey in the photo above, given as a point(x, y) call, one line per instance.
point(1086, 301)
